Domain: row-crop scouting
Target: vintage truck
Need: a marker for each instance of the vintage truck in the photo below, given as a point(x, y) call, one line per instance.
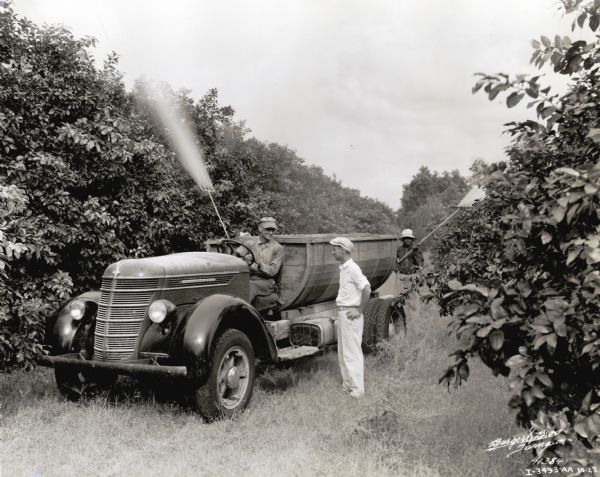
point(187, 316)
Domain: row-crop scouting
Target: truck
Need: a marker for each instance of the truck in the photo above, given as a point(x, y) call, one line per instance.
point(187, 316)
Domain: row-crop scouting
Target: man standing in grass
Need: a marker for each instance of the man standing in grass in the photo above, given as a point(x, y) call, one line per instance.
point(409, 261)
point(353, 294)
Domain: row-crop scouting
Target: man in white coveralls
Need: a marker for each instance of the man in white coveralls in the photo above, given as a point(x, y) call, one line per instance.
point(352, 297)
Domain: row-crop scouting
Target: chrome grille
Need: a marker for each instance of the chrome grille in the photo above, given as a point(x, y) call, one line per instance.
point(121, 311)
point(117, 327)
point(197, 281)
point(131, 283)
point(127, 298)
point(112, 356)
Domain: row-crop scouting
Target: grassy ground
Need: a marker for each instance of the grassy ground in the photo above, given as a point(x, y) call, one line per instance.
point(298, 423)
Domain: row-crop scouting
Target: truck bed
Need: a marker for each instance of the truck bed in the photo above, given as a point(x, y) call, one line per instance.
point(310, 274)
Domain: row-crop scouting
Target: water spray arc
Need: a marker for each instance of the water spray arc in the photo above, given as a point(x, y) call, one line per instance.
point(182, 140)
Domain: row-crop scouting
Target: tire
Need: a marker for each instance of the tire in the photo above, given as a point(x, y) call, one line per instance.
point(370, 316)
point(398, 320)
point(228, 389)
point(382, 322)
point(73, 384)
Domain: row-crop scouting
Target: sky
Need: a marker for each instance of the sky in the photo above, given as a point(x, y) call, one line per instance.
point(368, 90)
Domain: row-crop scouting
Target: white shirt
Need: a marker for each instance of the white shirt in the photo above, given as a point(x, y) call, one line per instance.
point(352, 282)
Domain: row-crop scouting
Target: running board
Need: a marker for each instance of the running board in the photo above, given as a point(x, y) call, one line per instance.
point(295, 352)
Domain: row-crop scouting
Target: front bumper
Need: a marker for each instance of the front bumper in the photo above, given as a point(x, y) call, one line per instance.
point(137, 367)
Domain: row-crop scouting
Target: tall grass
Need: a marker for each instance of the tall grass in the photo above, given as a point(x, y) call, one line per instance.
point(299, 422)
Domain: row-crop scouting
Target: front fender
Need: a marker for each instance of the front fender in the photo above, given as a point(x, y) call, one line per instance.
point(203, 322)
point(62, 331)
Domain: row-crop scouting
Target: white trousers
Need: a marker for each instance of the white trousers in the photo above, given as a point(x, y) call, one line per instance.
point(350, 356)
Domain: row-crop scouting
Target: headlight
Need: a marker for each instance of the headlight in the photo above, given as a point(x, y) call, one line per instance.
point(77, 309)
point(159, 310)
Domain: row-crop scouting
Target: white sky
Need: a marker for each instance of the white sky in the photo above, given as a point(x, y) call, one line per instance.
point(368, 90)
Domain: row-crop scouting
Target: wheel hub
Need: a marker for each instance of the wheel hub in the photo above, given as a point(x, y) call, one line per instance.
point(233, 378)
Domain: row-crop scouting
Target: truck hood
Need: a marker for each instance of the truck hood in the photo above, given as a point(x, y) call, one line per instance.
point(187, 263)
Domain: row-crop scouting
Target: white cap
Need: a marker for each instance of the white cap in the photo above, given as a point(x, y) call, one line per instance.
point(342, 242)
point(407, 233)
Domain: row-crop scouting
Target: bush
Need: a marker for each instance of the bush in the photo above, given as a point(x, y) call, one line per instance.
point(521, 270)
point(84, 176)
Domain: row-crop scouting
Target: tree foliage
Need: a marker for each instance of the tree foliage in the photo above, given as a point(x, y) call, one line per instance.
point(521, 270)
point(87, 179)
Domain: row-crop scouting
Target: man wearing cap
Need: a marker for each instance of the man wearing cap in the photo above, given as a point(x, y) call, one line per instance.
point(409, 258)
point(268, 255)
point(353, 294)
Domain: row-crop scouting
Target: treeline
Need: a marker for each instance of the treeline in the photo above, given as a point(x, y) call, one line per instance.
point(87, 179)
point(428, 198)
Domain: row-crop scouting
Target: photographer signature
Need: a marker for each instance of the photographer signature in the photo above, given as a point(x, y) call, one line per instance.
point(539, 440)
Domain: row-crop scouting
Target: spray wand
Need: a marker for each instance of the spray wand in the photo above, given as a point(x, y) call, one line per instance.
point(475, 194)
point(182, 140)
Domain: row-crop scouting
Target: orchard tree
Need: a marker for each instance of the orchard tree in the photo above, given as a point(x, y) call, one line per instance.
point(426, 184)
point(522, 269)
point(427, 198)
point(23, 309)
point(89, 182)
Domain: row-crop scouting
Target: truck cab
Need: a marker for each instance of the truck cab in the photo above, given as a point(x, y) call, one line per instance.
point(187, 316)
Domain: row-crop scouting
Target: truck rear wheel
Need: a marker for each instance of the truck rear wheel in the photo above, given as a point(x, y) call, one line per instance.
point(370, 317)
point(228, 388)
point(397, 319)
point(382, 322)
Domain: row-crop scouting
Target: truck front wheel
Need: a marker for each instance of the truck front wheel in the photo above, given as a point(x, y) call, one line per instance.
point(228, 388)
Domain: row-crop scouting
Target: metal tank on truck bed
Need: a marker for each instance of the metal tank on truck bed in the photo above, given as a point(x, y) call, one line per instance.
point(187, 316)
point(310, 274)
